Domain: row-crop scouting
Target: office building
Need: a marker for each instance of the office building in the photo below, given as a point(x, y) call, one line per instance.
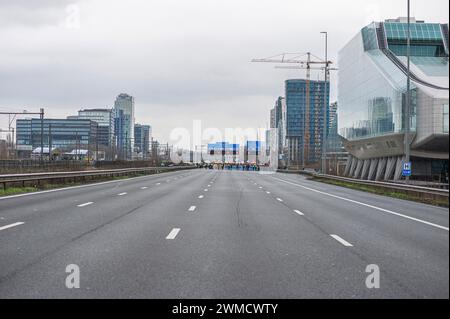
point(124, 112)
point(105, 119)
point(372, 98)
point(273, 121)
point(64, 134)
point(142, 138)
point(306, 115)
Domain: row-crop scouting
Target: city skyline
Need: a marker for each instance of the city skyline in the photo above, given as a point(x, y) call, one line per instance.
point(75, 51)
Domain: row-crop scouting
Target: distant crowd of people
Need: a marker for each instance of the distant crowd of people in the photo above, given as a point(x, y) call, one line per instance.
point(230, 166)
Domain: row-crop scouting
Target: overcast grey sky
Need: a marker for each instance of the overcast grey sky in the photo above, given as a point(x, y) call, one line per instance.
point(181, 60)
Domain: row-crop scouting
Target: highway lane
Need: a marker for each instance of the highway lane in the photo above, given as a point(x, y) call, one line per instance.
point(409, 252)
point(219, 234)
point(53, 219)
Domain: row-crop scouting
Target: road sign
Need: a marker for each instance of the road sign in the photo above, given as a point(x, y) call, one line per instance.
point(406, 171)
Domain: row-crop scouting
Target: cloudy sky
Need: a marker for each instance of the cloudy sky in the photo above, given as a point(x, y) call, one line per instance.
point(181, 60)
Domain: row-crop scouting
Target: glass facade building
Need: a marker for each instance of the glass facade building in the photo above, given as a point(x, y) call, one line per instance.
point(106, 122)
point(306, 116)
point(142, 138)
point(124, 108)
point(372, 94)
point(64, 134)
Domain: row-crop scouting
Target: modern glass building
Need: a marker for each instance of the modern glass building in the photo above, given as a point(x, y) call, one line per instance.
point(305, 120)
point(142, 138)
point(372, 93)
point(278, 131)
point(64, 134)
point(106, 122)
point(124, 108)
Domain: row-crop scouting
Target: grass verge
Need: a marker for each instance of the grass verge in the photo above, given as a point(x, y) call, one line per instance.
point(382, 191)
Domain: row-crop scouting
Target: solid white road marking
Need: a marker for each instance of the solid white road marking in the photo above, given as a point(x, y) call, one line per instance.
point(298, 212)
point(173, 233)
point(85, 204)
point(11, 225)
point(279, 199)
point(342, 241)
point(192, 208)
point(201, 196)
point(366, 205)
point(122, 194)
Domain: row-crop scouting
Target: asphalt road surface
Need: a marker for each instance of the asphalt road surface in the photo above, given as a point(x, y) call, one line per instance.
point(221, 234)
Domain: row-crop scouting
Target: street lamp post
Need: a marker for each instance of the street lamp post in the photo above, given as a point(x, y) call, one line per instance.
point(408, 92)
point(325, 118)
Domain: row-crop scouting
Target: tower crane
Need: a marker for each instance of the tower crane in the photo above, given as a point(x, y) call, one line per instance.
point(299, 59)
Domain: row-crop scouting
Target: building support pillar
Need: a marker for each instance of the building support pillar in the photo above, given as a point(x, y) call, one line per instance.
point(390, 167)
point(348, 165)
point(399, 168)
point(358, 169)
point(353, 166)
point(365, 169)
point(372, 169)
point(381, 168)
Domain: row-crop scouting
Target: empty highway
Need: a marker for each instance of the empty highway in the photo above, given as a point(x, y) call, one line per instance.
point(221, 234)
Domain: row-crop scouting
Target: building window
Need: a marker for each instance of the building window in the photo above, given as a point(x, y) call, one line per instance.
point(445, 118)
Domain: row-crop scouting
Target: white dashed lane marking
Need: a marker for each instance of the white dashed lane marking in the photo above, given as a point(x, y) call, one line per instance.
point(122, 194)
point(192, 208)
point(11, 225)
point(364, 204)
point(173, 233)
point(85, 204)
point(342, 241)
point(298, 212)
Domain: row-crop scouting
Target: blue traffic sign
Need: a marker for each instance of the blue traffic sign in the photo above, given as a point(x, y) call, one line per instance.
point(406, 171)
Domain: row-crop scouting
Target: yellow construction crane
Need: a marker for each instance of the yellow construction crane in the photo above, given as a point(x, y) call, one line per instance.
point(299, 58)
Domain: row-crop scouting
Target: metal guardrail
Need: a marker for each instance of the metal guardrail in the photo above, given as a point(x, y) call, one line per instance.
point(38, 177)
point(403, 187)
point(397, 186)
